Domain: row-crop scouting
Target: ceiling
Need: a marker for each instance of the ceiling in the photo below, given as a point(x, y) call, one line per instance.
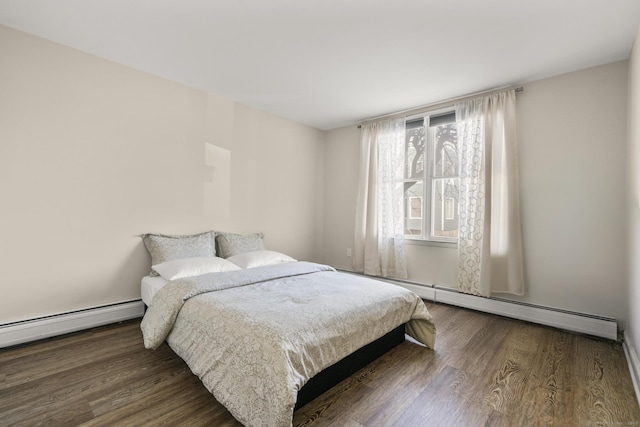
point(331, 63)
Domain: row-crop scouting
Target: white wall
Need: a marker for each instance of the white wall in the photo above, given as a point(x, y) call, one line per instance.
point(633, 205)
point(341, 191)
point(93, 154)
point(572, 136)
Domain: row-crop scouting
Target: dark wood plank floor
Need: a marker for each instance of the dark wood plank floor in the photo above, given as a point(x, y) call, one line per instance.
point(485, 371)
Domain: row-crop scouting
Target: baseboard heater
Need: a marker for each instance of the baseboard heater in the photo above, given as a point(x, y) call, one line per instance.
point(599, 326)
point(58, 324)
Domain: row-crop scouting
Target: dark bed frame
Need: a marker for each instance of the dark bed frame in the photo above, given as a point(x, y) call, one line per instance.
point(346, 367)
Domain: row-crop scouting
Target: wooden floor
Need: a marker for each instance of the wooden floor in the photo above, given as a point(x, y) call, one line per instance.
point(485, 371)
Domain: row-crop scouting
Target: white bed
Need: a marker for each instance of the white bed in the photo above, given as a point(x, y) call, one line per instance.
point(259, 327)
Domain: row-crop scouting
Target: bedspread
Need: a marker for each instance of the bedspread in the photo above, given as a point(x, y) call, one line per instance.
point(256, 336)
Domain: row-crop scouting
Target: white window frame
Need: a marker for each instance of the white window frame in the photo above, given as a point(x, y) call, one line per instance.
point(427, 237)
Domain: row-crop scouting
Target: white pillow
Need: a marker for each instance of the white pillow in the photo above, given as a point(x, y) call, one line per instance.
point(259, 258)
point(189, 267)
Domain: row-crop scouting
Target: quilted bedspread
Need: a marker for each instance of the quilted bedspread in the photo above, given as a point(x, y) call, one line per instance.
point(255, 336)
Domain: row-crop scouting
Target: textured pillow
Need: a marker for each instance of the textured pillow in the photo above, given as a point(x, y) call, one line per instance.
point(189, 267)
point(259, 258)
point(164, 248)
point(230, 244)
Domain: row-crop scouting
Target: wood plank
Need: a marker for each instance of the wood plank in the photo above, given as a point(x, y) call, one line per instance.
point(603, 392)
point(70, 355)
point(511, 382)
point(552, 393)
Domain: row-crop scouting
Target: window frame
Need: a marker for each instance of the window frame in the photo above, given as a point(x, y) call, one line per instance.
point(427, 237)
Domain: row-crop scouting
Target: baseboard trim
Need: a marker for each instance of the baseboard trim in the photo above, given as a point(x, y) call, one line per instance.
point(35, 329)
point(634, 363)
point(598, 326)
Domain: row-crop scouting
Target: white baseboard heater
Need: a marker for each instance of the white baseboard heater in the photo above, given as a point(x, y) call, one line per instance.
point(599, 326)
point(58, 324)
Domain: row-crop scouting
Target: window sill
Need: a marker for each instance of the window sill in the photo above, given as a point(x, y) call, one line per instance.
point(420, 242)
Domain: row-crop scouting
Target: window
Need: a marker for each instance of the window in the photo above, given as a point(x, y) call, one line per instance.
point(431, 178)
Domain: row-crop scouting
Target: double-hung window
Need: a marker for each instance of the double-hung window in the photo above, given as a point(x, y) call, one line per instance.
point(431, 178)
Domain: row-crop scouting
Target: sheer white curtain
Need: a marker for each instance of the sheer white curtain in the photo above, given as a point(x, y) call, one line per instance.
point(379, 231)
point(490, 243)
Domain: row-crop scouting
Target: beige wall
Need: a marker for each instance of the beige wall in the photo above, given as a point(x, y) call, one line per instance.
point(341, 190)
point(93, 154)
point(633, 205)
point(572, 137)
point(572, 133)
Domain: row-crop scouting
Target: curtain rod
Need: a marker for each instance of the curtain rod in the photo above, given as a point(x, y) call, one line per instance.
point(441, 104)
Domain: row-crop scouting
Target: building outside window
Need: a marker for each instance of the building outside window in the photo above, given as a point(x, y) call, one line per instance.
point(431, 180)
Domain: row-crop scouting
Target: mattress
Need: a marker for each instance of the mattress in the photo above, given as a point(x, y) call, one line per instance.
point(149, 286)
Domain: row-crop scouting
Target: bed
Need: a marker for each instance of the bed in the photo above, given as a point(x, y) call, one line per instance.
point(261, 335)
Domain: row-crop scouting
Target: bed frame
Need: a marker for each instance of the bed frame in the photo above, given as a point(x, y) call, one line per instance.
point(346, 367)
